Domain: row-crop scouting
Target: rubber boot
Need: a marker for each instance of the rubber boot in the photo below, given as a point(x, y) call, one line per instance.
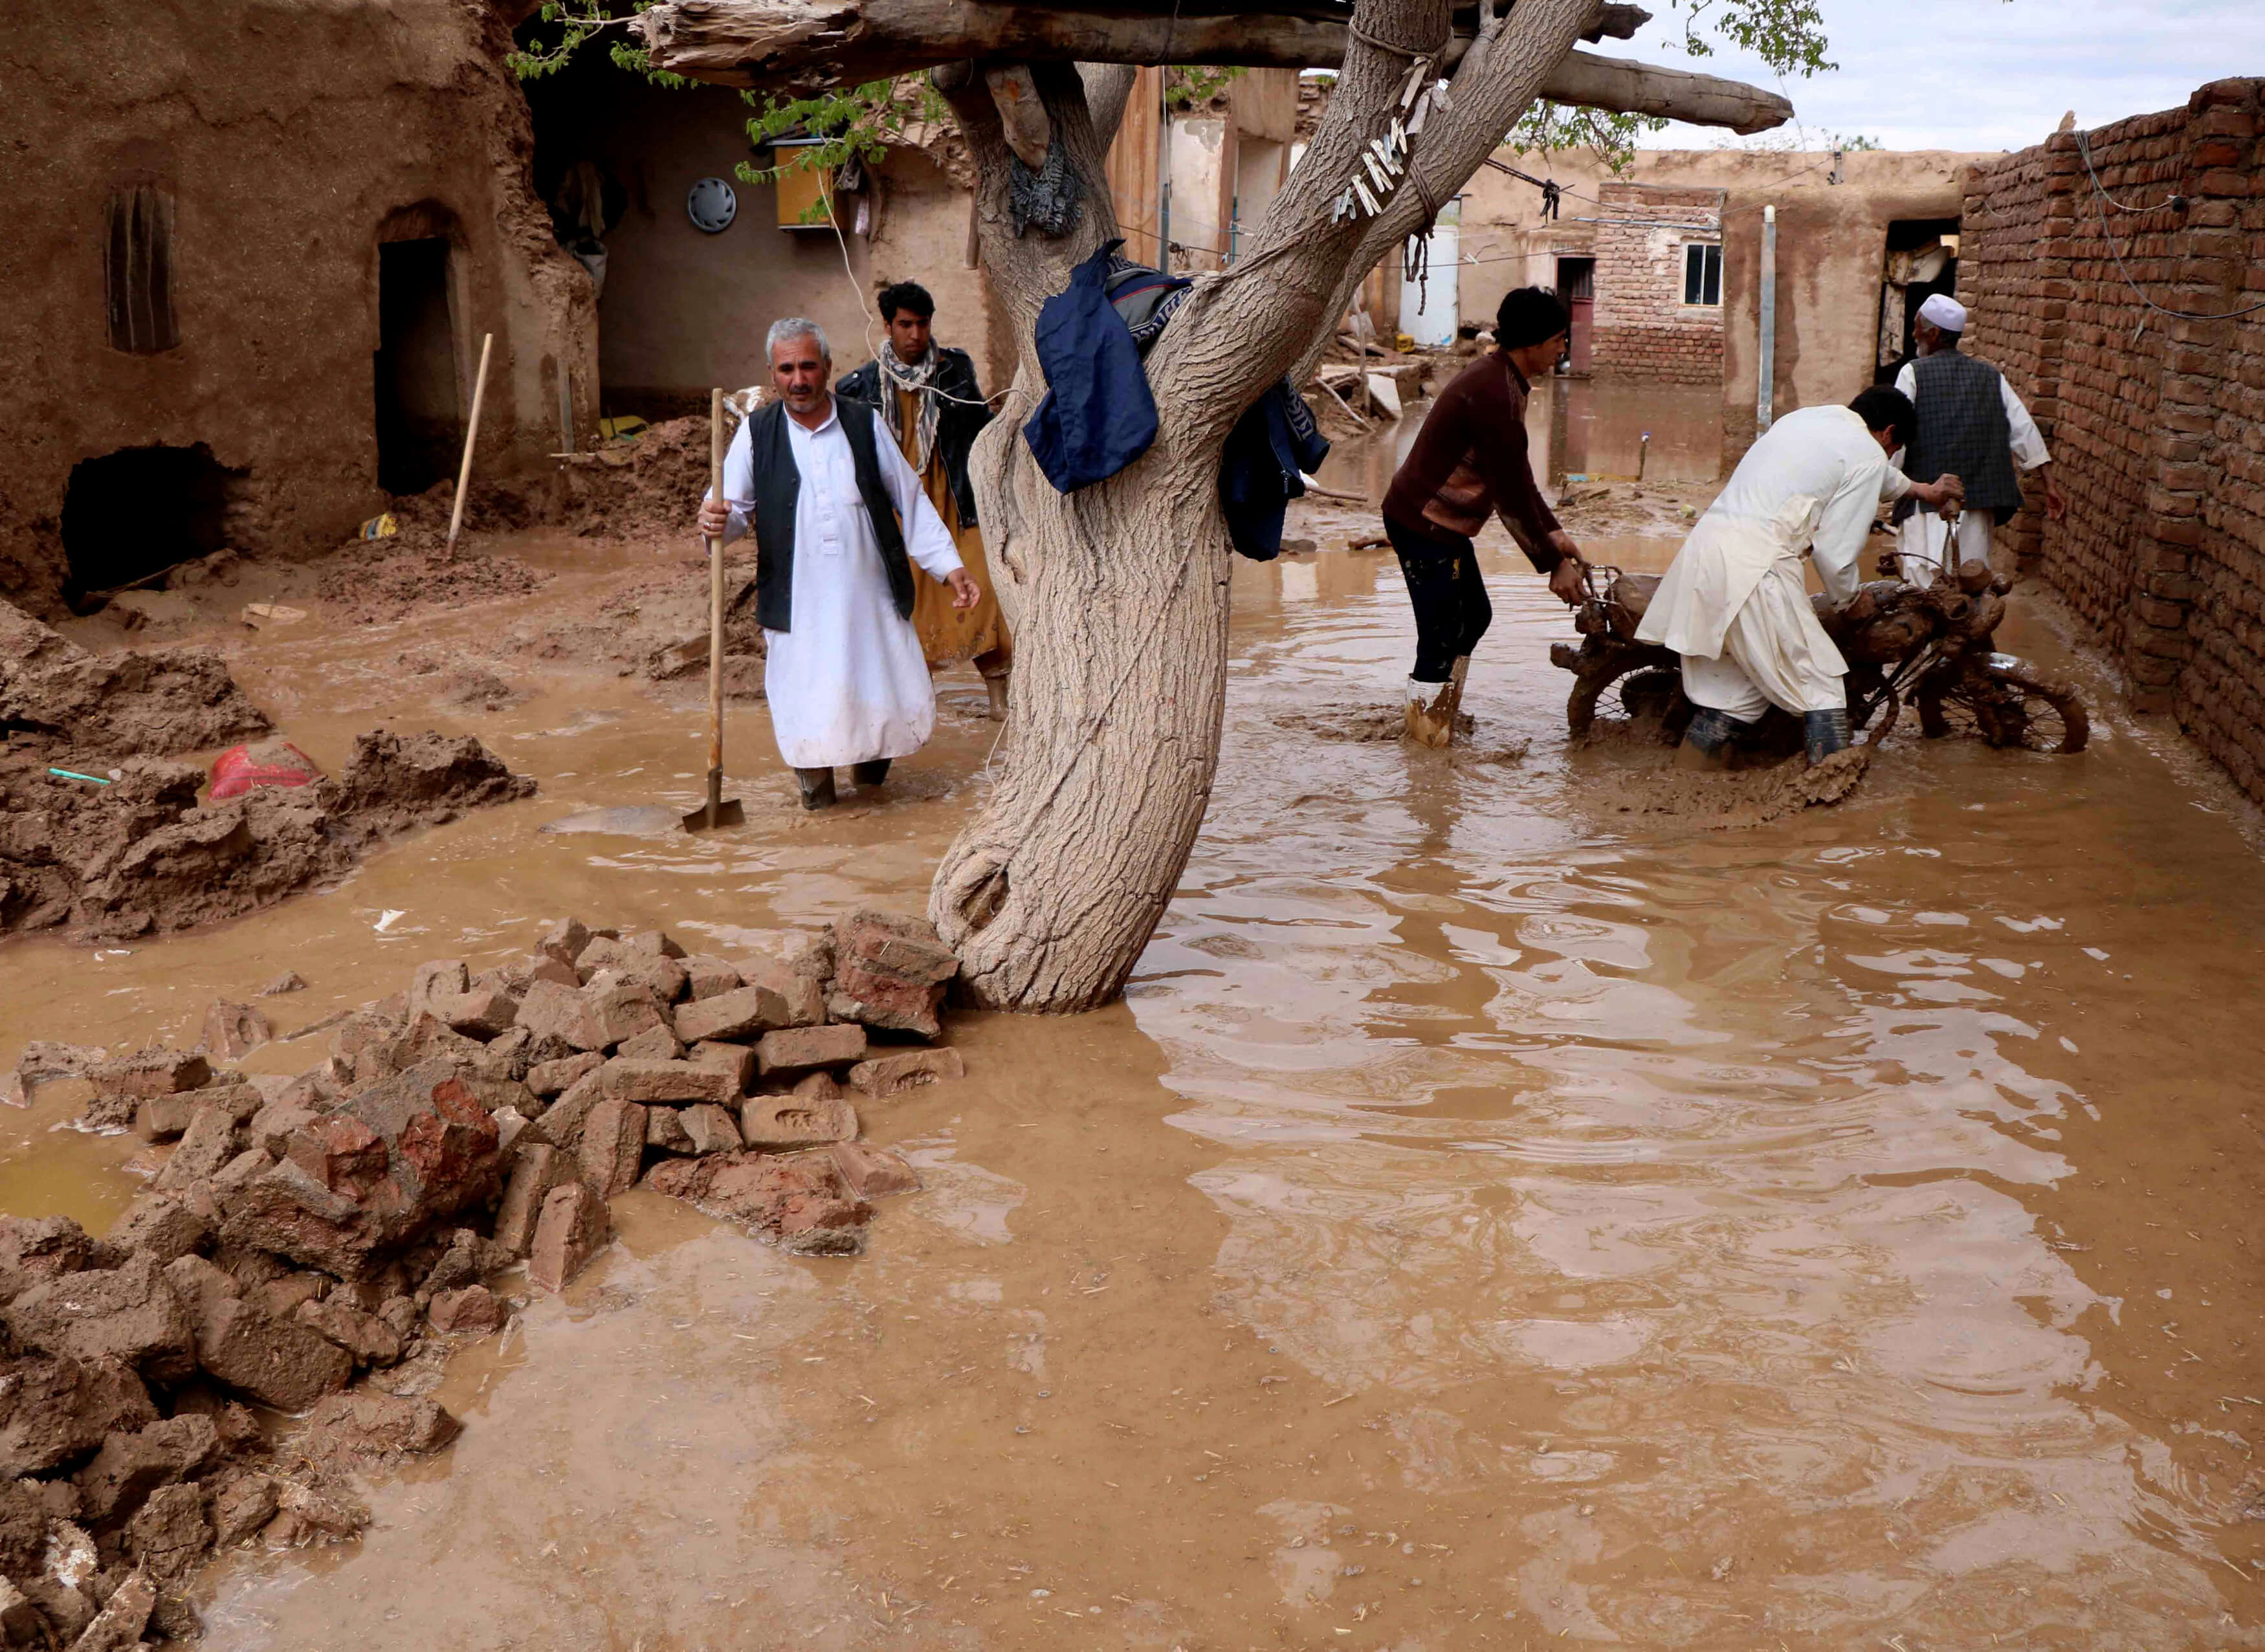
point(1706, 741)
point(871, 774)
point(1456, 675)
point(817, 786)
point(1431, 712)
point(1824, 734)
point(996, 688)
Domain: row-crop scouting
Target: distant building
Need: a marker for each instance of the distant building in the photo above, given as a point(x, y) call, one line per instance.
point(252, 250)
point(1660, 266)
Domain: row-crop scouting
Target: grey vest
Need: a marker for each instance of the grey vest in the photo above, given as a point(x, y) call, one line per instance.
point(1963, 431)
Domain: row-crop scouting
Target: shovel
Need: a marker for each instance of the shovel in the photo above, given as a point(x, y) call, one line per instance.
point(717, 811)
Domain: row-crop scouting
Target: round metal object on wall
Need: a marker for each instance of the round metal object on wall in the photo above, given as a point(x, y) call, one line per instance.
point(711, 205)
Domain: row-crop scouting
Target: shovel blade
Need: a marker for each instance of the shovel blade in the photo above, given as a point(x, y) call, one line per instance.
point(728, 814)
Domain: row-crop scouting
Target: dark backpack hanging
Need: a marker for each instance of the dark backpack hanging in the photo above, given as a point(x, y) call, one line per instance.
point(1097, 416)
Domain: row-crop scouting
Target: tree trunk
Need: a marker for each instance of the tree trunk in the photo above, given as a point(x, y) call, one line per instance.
point(1116, 597)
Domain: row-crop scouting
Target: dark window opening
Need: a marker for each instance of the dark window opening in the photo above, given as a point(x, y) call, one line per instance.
point(1702, 274)
point(1921, 260)
point(137, 270)
point(140, 511)
point(420, 423)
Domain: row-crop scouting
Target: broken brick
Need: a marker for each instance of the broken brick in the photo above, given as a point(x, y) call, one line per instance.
point(872, 1172)
point(612, 1146)
point(907, 1069)
point(793, 1121)
point(797, 1048)
point(572, 1229)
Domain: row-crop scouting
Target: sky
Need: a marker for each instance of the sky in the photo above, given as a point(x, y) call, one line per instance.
point(1980, 75)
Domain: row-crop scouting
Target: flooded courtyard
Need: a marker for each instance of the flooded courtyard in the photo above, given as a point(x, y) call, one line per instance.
point(1491, 1219)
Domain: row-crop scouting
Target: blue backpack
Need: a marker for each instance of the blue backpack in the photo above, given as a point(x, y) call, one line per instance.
point(1097, 416)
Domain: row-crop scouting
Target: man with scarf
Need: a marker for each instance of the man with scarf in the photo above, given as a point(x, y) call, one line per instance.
point(927, 396)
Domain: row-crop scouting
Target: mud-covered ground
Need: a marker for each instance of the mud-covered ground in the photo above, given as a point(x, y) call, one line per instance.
point(1494, 1217)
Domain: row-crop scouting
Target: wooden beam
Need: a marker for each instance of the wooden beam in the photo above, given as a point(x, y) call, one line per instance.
point(1590, 82)
point(780, 43)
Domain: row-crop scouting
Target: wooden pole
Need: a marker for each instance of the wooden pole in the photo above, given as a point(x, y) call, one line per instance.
point(1766, 346)
point(715, 613)
point(471, 435)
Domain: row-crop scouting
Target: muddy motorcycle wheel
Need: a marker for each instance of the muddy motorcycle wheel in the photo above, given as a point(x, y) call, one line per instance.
point(2009, 704)
point(1592, 677)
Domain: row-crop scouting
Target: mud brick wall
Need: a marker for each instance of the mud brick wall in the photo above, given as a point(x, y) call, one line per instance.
point(1644, 332)
point(2156, 420)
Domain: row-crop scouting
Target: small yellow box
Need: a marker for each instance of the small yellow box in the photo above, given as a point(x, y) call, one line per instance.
point(804, 192)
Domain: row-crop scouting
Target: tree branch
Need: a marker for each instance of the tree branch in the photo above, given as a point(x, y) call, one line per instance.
point(767, 42)
point(1108, 88)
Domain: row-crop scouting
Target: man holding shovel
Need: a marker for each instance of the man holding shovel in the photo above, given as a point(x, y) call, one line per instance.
point(839, 519)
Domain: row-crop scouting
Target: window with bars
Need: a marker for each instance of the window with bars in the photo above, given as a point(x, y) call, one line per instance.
point(137, 269)
point(1703, 273)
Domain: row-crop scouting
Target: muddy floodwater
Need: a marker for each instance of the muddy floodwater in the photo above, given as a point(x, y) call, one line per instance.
point(1491, 1219)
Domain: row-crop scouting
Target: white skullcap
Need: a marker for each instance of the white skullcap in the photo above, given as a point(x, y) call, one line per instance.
point(1944, 312)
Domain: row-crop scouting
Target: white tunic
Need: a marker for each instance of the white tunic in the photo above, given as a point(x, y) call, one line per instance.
point(1814, 483)
point(848, 682)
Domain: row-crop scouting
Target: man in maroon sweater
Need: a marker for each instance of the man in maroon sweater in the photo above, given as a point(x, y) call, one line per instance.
point(1469, 463)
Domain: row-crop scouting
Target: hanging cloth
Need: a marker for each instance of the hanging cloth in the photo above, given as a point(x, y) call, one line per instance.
point(1097, 416)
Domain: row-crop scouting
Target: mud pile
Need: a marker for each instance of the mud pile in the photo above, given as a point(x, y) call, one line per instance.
point(646, 487)
point(1740, 799)
point(139, 854)
point(103, 706)
point(377, 590)
point(312, 1244)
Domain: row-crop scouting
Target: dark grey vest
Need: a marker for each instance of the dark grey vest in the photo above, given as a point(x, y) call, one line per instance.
point(1963, 431)
point(778, 485)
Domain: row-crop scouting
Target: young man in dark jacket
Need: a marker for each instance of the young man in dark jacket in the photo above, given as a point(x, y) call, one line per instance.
point(1470, 462)
point(927, 396)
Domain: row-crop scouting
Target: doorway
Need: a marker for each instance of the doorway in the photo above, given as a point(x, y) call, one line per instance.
point(419, 421)
point(1576, 285)
point(1921, 260)
point(139, 511)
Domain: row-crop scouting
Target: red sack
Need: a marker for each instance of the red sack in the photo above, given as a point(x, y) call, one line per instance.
point(263, 764)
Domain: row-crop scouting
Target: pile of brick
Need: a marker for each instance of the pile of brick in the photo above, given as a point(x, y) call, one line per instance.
point(311, 1243)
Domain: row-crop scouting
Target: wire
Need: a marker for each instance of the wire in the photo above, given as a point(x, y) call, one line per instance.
point(2084, 148)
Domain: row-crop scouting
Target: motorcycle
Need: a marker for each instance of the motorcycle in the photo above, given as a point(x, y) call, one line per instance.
point(1927, 645)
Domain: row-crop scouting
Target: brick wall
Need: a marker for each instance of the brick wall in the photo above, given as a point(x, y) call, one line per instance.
point(1644, 332)
point(2157, 422)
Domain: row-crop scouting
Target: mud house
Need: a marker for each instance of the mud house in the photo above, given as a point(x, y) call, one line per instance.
point(253, 250)
point(698, 260)
point(1662, 265)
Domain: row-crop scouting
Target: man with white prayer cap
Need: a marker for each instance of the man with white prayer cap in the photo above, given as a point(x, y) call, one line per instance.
point(1970, 425)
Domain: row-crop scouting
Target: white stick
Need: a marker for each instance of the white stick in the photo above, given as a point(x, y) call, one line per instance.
point(471, 435)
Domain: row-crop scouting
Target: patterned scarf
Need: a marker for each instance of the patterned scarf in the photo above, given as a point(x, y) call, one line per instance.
point(919, 377)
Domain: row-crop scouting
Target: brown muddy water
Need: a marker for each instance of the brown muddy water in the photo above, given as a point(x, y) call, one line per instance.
point(1485, 1223)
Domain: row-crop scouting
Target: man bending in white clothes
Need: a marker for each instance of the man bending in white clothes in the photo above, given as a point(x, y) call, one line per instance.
point(839, 519)
point(1733, 603)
